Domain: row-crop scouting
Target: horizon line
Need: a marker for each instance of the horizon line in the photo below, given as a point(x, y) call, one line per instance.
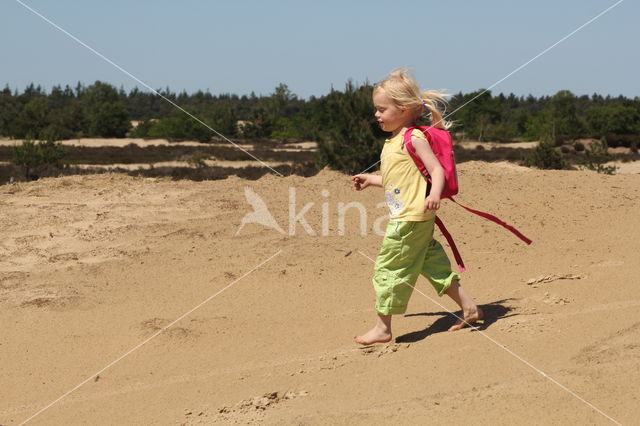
point(262, 95)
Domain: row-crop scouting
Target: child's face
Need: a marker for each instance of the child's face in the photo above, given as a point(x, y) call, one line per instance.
point(389, 116)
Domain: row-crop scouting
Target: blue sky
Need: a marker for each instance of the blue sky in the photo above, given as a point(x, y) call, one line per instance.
point(242, 46)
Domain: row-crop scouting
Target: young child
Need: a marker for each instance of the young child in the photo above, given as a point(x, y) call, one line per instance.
point(408, 248)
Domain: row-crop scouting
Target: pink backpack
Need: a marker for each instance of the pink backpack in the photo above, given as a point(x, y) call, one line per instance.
point(442, 146)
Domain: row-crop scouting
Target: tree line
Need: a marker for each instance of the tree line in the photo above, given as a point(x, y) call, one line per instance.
point(335, 119)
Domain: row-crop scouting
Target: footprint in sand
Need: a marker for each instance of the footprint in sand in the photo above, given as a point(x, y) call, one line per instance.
point(256, 404)
point(39, 302)
point(334, 362)
point(45, 297)
point(56, 301)
point(607, 263)
point(551, 299)
point(246, 411)
point(383, 350)
point(613, 349)
point(527, 326)
point(63, 257)
point(153, 325)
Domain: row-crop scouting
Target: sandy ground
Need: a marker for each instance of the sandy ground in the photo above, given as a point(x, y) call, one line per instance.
point(93, 269)
point(631, 167)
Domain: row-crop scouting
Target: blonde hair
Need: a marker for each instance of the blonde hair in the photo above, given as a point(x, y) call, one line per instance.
point(405, 93)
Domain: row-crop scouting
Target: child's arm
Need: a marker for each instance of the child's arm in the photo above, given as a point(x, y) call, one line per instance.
point(435, 171)
point(364, 180)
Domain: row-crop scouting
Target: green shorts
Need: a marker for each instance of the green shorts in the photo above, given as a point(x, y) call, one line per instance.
point(408, 250)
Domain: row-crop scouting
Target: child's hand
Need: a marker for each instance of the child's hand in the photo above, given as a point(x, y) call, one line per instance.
point(360, 181)
point(432, 203)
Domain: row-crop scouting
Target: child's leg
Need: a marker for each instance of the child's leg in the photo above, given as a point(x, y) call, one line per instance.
point(470, 311)
point(437, 269)
point(397, 269)
point(380, 333)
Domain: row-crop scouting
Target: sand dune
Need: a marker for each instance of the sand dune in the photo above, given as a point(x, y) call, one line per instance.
point(93, 266)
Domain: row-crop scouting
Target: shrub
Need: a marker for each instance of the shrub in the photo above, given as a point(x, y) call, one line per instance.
point(196, 160)
point(578, 146)
point(544, 156)
point(596, 156)
point(142, 129)
point(37, 157)
point(615, 140)
point(180, 126)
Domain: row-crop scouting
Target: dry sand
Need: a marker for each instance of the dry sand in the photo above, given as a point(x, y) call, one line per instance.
point(91, 267)
point(631, 167)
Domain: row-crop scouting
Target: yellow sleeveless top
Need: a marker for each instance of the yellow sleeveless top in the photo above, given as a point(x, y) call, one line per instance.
point(405, 189)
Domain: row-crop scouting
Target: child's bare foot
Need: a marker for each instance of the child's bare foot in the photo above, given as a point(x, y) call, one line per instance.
point(468, 318)
point(375, 335)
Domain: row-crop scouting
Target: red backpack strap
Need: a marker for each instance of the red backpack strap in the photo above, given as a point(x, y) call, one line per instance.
point(494, 219)
point(411, 150)
point(452, 244)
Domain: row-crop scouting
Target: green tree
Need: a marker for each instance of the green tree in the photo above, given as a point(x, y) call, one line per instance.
point(565, 115)
point(279, 103)
point(8, 112)
point(221, 118)
point(285, 128)
point(273, 116)
point(354, 141)
point(558, 118)
point(476, 113)
point(541, 127)
point(504, 131)
point(109, 120)
point(613, 119)
point(32, 119)
point(106, 115)
point(310, 121)
point(68, 121)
